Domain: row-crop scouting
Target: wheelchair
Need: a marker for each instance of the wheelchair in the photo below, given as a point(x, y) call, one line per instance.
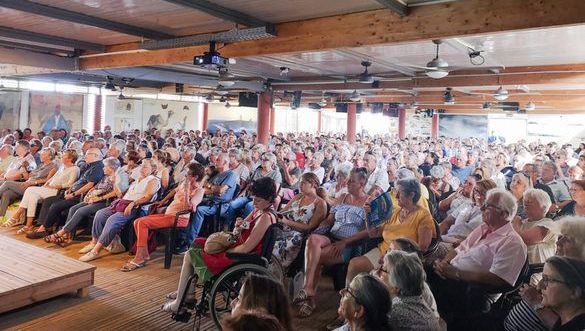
point(222, 289)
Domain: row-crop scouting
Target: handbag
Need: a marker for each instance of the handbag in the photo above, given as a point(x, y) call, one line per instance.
point(119, 205)
point(219, 242)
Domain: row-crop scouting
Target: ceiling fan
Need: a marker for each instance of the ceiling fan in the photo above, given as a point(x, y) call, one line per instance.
point(365, 76)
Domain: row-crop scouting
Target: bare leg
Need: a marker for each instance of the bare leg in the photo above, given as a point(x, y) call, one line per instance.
point(315, 244)
point(141, 254)
point(357, 265)
point(186, 273)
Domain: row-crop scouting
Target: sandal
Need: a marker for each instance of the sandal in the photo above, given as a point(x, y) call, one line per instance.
point(10, 223)
point(51, 238)
point(301, 297)
point(306, 309)
point(24, 230)
point(131, 266)
point(36, 234)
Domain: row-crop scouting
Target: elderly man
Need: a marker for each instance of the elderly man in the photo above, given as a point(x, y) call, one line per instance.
point(221, 186)
point(492, 256)
point(116, 150)
point(377, 178)
point(559, 188)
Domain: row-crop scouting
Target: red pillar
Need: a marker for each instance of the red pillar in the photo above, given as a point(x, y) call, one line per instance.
point(97, 111)
point(319, 119)
point(435, 126)
point(205, 115)
point(402, 123)
point(264, 105)
point(272, 119)
point(351, 122)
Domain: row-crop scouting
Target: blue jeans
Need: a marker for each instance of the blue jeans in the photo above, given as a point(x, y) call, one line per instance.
point(235, 206)
point(107, 224)
point(79, 213)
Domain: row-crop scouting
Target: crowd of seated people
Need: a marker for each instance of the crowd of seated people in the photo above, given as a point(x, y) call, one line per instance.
point(475, 213)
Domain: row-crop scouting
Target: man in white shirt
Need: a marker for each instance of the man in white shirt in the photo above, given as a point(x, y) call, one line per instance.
point(492, 256)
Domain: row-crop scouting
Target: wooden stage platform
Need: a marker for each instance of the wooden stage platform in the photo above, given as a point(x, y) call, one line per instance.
point(125, 301)
point(29, 274)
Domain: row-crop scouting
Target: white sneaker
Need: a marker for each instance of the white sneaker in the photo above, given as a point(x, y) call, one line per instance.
point(116, 246)
point(89, 256)
point(87, 248)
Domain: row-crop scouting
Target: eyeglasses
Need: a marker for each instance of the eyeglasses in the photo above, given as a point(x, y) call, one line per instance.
point(381, 268)
point(546, 280)
point(346, 290)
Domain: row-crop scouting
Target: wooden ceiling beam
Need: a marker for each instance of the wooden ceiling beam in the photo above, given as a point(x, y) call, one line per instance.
point(453, 19)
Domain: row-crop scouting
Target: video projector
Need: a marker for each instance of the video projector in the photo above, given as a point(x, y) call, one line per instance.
point(211, 59)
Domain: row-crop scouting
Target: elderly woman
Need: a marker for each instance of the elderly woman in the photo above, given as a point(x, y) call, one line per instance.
point(186, 196)
point(406, 283)
point(315, 167)
point(520, 183)
point(577, 205)
point(346, 219)
point(250, 232)
point(408, 220)
point(24, 162)
point(300, 216)
point(238, 167)
point(529, 313)
point(12, 190)
point(110, 220)
point(339, 187)
point(269, 169)
point(459, 224)
point(536, 230)
point(63, 179)
point(563, 291)
point(110, 186)
point(365, 303)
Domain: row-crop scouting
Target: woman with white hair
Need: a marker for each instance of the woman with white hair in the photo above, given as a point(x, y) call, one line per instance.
point(315, 167)
point(406, 283)
point(537, 231)
point(520, 183)
point(339, 188)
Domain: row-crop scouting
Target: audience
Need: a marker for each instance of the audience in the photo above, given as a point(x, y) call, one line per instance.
point(487, 233)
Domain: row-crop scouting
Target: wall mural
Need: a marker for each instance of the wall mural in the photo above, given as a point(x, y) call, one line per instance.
point(55, 110)
point(163, 115)
point(9, 110)
point(125, 114)
point(233, 118)
point(463, 126)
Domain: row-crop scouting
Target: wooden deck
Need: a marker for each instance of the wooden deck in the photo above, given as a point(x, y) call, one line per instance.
point(125, 301)
point(29, 274)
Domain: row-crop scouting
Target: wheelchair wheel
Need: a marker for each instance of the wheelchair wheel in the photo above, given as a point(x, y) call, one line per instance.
point(226, 289)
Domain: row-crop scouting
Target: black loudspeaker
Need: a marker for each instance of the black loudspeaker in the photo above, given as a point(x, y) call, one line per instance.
point(179, 88)
point(509, 106)
point(341, 107)
point(248, 99)
point(296, 100)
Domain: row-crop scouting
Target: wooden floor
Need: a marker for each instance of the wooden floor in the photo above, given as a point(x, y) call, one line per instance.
point(128, 301)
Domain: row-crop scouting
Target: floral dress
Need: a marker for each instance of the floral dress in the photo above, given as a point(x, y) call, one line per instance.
point(288, 245)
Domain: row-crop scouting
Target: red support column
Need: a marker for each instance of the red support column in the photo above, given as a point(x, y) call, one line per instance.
point(205, 116)
point(402, 123)
point(351, 122)
point(97, 117)
point(319, 119)
point(272, 119)
point(435, 126)
point(264, 105)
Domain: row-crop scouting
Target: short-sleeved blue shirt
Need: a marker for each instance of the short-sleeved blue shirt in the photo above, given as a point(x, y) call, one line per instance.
point(228, 178)
point(93, 173)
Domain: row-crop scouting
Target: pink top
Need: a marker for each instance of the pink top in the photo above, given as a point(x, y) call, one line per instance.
point(186, 197)
point(501, 252)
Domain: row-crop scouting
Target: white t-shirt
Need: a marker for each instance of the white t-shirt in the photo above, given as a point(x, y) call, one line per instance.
point(379, 178)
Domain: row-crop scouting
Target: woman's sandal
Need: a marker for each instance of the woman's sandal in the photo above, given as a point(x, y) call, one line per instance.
point(131, 266)
point(52, 238)
point(24, 230)
point(306, 309)
point(301, 297)
point(10, 223)
point(61, 240)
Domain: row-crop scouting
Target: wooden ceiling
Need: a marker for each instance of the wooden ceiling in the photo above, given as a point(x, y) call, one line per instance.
point(535, 46)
